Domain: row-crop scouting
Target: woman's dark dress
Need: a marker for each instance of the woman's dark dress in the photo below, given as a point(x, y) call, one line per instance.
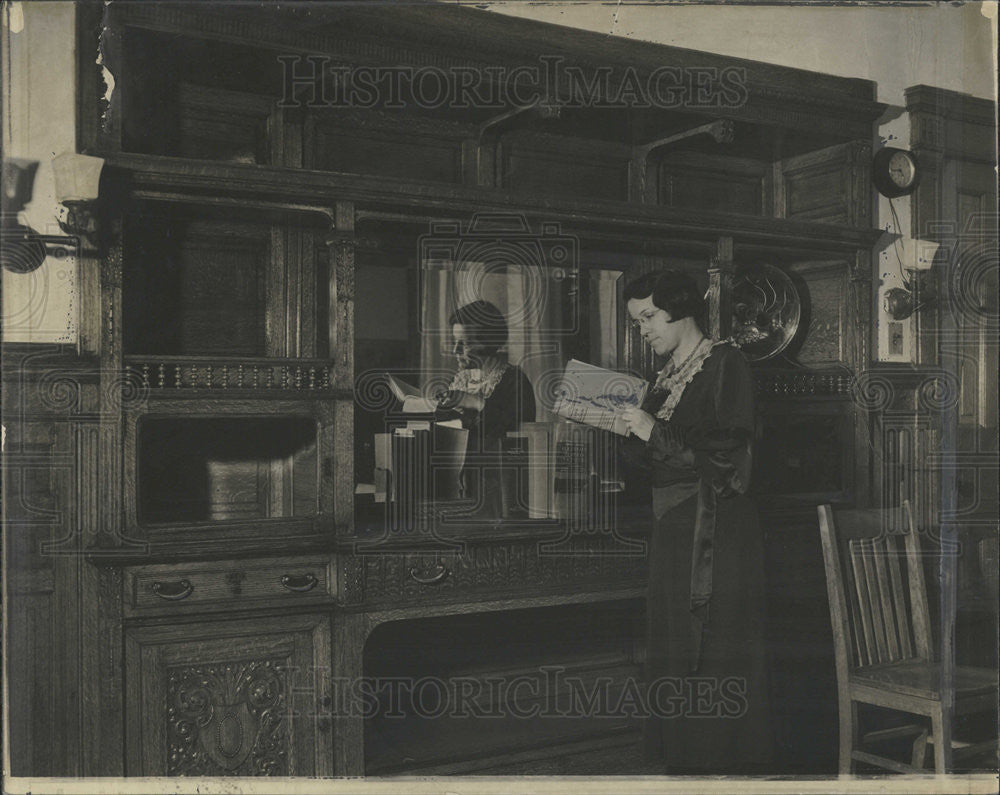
point(724, 723)
point(511, 403)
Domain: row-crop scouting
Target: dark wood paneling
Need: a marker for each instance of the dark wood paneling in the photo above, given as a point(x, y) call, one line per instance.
point(828, 186)
point(558, 165)
point(195, 287)
point(715, 182)
point(385, 144)
point(223, 125)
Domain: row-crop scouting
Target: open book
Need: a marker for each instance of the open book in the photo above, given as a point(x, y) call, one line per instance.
point(595, 396)
point(410, 396)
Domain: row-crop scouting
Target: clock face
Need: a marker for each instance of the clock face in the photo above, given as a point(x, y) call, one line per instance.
point(901, 170)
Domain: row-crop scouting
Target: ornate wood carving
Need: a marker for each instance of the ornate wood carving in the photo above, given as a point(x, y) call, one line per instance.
point(799, 383)
point(174, 376)
point(228, 719)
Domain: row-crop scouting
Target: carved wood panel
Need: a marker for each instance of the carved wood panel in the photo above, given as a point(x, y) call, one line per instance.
point(229, 698)
point(228, 718)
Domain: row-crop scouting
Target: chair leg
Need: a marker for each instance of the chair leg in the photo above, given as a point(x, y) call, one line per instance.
point(941, 728)
point(920, 750)
point(848, 735)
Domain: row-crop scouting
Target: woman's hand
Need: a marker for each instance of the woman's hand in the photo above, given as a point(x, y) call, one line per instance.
point(639, 423)
point(456, 399)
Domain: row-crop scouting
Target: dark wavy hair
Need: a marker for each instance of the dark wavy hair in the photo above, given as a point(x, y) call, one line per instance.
point(673, 291)
point(484, 323)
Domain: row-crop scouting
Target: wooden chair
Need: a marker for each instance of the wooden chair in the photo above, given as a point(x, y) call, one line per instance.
point(882, 641)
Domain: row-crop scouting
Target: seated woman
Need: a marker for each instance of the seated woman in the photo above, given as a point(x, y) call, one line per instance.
point(488, 394)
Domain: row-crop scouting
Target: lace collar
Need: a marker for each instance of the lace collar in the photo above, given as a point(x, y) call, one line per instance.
point(674, 382)
point(479, 381)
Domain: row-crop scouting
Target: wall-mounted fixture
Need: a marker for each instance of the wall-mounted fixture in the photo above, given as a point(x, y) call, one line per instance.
point(22, 249)
point(78, 179)
point(916, 293)
point(895, 172)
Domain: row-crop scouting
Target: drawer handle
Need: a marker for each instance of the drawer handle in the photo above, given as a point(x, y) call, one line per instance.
point(173, 591)
point(440, 574)
point(299, 584)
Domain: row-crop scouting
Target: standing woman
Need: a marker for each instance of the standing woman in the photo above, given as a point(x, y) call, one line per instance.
point(489, 395)
point(706, 667)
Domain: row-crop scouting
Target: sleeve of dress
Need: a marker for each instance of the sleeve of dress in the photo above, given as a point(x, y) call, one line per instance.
point(722, 448)
point(512, 402)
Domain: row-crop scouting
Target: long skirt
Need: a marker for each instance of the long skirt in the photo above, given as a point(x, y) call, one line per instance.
point(714, 720)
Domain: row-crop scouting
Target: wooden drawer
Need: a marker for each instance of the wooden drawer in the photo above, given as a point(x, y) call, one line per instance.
point(228, 584)
point(523, 568)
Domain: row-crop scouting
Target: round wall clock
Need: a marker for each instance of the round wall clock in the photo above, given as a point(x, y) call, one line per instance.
point(895, 172)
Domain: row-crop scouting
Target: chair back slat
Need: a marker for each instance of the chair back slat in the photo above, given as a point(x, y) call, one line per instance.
point(918, 589)
point(885, 603)
point(890, 622)
point(899, 600)
point(865, 550)
point(862, 655)
point(864, 603)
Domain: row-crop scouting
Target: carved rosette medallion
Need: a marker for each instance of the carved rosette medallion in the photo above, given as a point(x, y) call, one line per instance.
point(228, 719)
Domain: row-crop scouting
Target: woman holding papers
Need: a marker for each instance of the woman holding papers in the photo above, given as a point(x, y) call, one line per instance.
point(488, 394)
point(706, 665)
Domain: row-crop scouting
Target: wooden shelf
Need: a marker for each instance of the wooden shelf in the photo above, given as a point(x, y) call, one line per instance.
point(194, 182)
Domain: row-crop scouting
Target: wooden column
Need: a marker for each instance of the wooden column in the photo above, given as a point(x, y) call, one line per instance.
point(350, 631)
point(342, 244)
point(720, 290)
point(337, 442)
point(859, 332)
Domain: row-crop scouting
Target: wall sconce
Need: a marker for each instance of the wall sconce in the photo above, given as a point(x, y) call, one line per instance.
point(78, 179)
point(22, 249)
point(916, 257)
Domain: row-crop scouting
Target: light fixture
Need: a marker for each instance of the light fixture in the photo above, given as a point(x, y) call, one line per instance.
point(917, 291)
point(77, 181)
point(77, 177)
point(915, 294)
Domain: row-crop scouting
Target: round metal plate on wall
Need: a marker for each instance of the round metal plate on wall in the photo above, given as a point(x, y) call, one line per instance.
point(767, 309)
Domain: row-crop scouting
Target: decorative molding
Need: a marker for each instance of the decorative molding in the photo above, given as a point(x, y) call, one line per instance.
point(950, 105)
point(173, 376)
point(798, 383)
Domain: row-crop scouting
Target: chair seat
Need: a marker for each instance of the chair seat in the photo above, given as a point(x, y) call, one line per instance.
point(923, 679)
